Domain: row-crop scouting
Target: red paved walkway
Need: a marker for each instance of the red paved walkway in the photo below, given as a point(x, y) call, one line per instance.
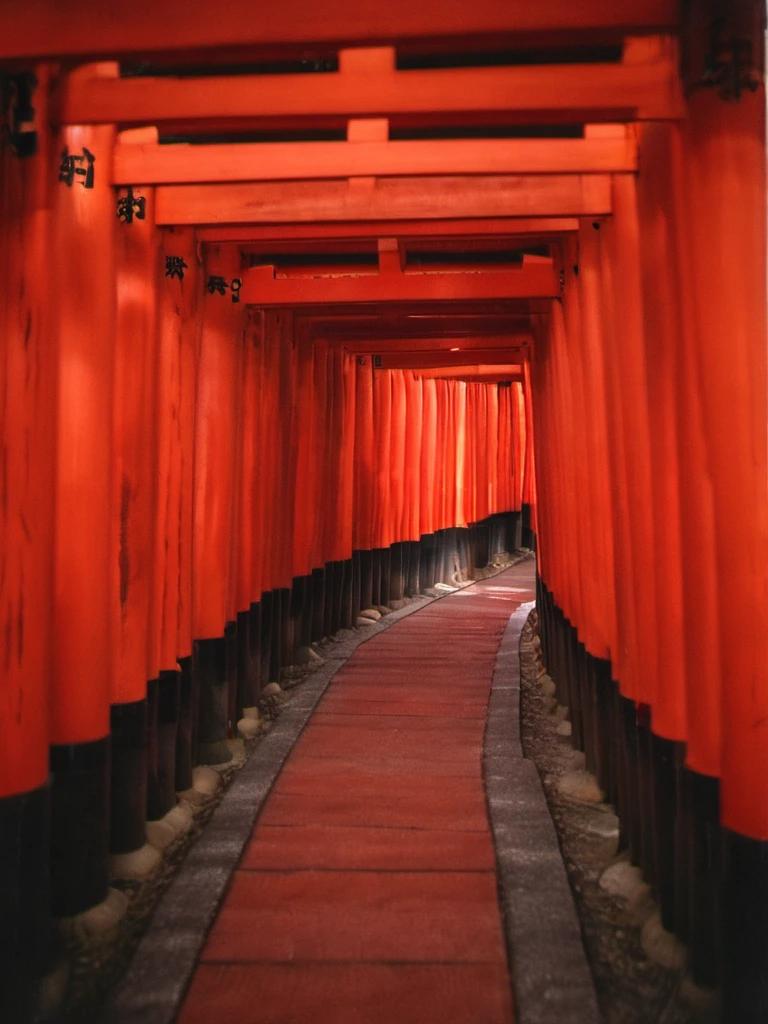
point(368, 892)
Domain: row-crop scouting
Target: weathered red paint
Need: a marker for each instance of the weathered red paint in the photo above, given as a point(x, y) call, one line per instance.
point(140, 466)
point(84, 225)
point(27, 427)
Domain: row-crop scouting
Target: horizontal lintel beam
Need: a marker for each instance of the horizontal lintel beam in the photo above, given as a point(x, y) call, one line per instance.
point(491, 342)
point(385, 199)
point(544, 228)
point(532, 280)
point(93, 29)
point(337, 326)
point(154, 164)
point(481, 374)
point(368, 85)
point(421, 320)
point(427, 360)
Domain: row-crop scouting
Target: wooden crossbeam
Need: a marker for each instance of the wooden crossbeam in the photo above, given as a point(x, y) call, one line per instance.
point(428, 360)
point(421, 321)
point(481, 374)
point(532, 280)
point(174, 164)
point(309, 272)
point(566, 195)
point(528, 229)
point(442, 346)
point(645, 85)
point(93, 28)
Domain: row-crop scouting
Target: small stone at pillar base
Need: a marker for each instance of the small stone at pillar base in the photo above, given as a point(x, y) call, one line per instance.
point(136, 865)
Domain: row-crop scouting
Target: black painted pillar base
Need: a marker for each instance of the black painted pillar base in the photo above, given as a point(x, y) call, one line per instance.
point(664, 809)
point(163, 706)
point(375, 577)
point(496, 537)
point(168, 709)
point(296, 609)
point(513, 529)
point(384, 576)
point(632, 808)
point(527, 535)
point(356, 585)
point(396, 574)
point(300, 614)
point(280, 602)
point(457, 567)
point(744, 947)
point(244, 643)
point(128, 724)
point(186, 734)
point(252, 682)
point(154, 808)
point(592, 738)
point(213, 701)
point(651, 840)
point(329, 600)
point(466, 568)
point(25, 935)
point(320, 592)
point(481, 540)
point(286, 645)
point(576, 702)
point(601, 681)
point(683, 834)
point(472, 549)
point(265, 645)
point(335, 616)
point(441, 557)
point(705, 851)
point(348, 614)
point(427, 561)
point(230, 671)
point(79, 826)
point(413, 579)
point(366, 579)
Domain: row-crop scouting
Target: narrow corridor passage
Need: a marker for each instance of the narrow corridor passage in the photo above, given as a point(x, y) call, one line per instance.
point(368, 892)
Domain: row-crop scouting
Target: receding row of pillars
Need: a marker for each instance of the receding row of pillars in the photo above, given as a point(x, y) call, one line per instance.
point(710, 883)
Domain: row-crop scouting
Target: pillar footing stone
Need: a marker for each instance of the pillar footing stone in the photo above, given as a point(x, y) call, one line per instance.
point(205, 780)
point(662, 946)
point(98, 920)
point(165, 830)
point(308, 656)
point(581, 786)
point(136, 865)
point(248, 728)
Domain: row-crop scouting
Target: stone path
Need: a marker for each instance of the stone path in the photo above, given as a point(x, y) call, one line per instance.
point(368, 892)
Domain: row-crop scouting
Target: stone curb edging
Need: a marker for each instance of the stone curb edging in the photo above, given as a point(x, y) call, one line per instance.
point(551, 979)
point(156, 981)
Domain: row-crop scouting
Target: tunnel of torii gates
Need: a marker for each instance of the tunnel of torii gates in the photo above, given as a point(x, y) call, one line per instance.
point(305, 310)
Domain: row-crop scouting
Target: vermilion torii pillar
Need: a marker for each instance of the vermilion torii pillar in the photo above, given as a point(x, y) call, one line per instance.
point(135, 517)
point(27, 425)
point(214, 489)
point(83, 278)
